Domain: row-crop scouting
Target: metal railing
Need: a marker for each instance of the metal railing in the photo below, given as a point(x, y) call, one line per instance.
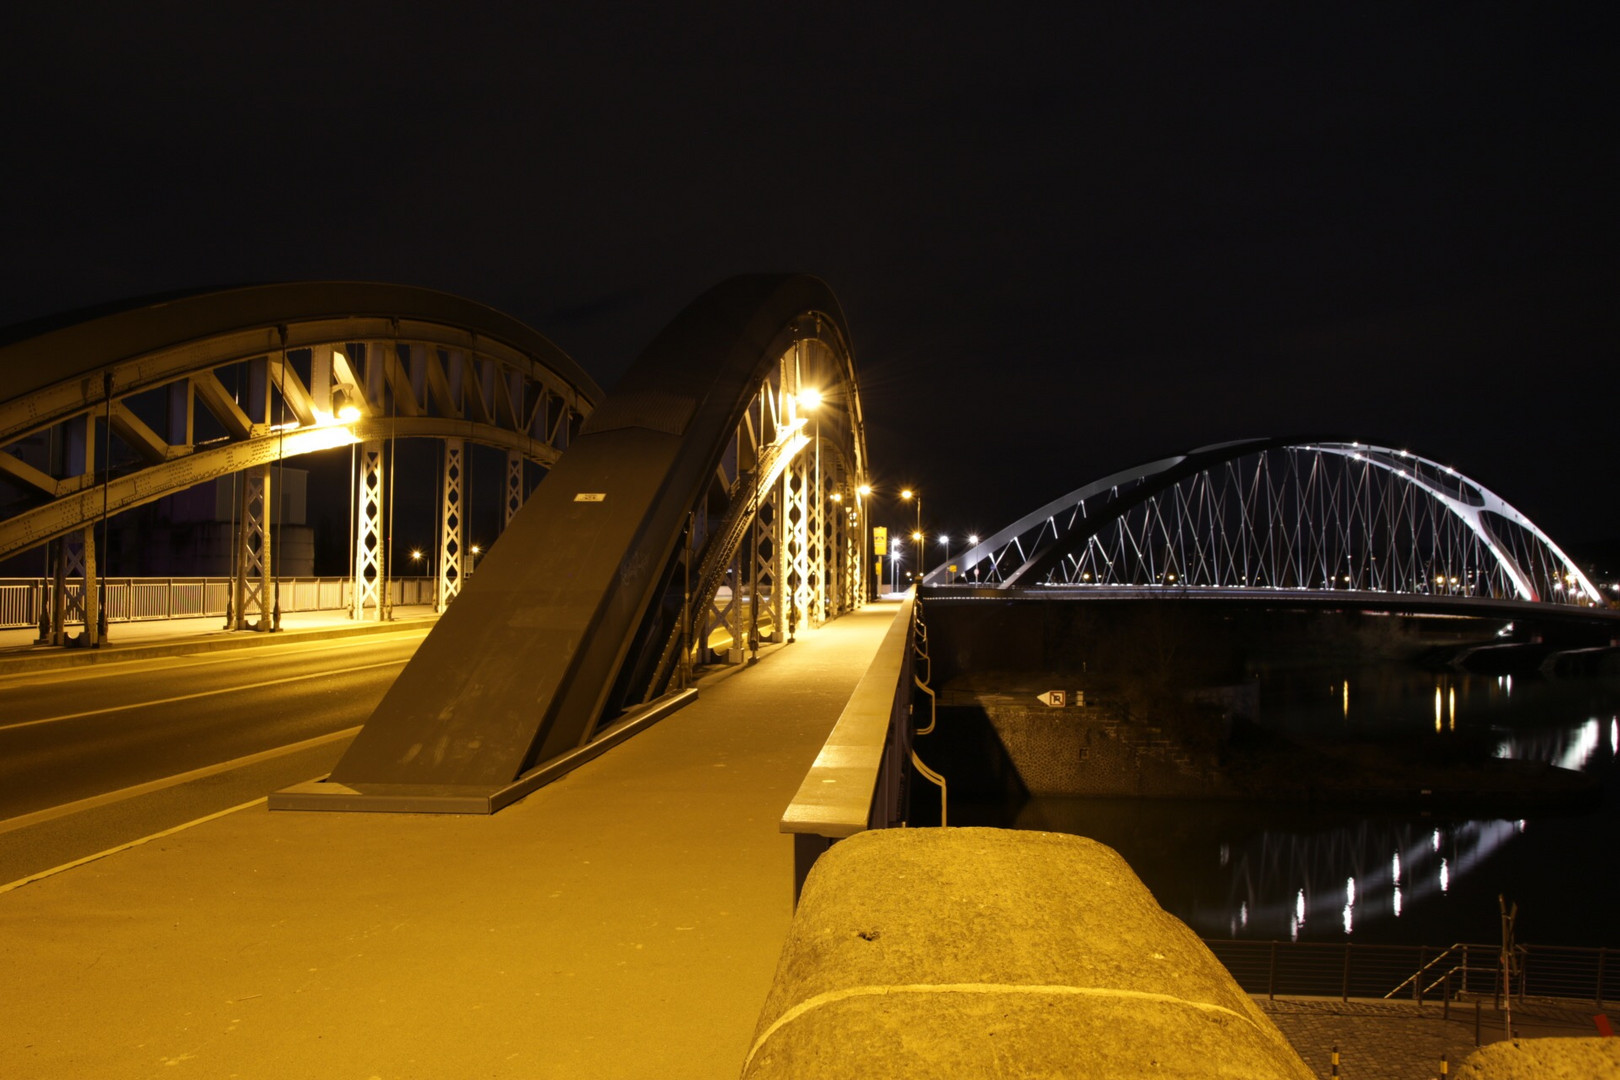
point(1419, 972)
point(22, 600)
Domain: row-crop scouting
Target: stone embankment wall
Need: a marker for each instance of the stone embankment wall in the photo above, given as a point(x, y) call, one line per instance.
point(1090, 749)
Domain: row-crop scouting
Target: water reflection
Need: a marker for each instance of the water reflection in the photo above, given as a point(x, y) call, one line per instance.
point(1284, 872)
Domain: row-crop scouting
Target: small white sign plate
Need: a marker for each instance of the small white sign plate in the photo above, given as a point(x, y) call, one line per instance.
point(591, 496)
point(1055, 698)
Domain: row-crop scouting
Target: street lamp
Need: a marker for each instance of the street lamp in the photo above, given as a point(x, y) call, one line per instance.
point(907, 495)
point(973, 542)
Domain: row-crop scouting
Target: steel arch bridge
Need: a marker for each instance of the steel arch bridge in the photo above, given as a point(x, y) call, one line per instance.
point(712, 503)
point(1282, 514)
point(104, 412)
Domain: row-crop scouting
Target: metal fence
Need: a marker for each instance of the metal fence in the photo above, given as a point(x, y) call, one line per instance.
point(1419, 972)
point(23, 600)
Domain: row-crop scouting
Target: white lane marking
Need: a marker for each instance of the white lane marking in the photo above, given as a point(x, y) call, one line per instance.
point(90, 802)
point(202, 694)
point(112, 669)
point(20, 882)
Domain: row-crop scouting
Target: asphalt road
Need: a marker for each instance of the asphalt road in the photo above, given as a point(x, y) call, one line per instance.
point(95, 757)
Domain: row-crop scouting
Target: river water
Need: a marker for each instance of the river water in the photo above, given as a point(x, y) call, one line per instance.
point(1284, 872)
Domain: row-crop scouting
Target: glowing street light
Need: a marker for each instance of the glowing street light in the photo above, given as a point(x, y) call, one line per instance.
point(907, 495)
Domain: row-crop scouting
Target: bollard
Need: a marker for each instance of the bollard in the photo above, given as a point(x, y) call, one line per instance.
point(1445, 1067)
point(1335, 1073)
point(1476, 1023)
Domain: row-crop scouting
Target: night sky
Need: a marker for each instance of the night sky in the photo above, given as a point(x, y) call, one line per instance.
point(1066, 241)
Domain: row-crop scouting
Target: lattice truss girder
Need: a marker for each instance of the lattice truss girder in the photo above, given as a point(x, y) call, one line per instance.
point(452, 522)
point(253, 604)
point(1287, 516)
point(759, 537)
point(243, 399)
point(369, 554)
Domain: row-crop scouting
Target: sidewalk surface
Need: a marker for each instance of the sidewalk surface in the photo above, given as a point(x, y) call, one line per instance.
point(624, 921)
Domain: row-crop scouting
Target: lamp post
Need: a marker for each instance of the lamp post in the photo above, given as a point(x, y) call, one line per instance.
point(908, 495)
point(416, 564)
point(973, 542)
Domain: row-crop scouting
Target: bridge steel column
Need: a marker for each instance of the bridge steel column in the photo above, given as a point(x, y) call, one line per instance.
point(514, 487)
point(816, 526)
point(768, 616)
point(574, 631)
point(252, 562)
point(452, 524)
point(370, 489)
point(89, 605)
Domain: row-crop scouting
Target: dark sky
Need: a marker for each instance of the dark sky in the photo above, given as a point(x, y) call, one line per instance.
point(1066, 241)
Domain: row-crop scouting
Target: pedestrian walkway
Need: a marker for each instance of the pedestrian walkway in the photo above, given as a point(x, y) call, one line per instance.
point(622, 922)
point(20, 650)
point(1399, 1040)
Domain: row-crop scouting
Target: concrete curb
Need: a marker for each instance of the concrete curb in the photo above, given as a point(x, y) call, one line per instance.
point(46, 658)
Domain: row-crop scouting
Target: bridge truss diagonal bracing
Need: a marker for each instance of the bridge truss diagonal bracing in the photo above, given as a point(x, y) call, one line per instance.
point(1284, 514)
point(115, 411)
point(709, 506)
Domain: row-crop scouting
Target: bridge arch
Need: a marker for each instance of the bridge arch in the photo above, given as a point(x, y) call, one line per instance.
point(104, 413)
point(1284, 514)
point(708, 505)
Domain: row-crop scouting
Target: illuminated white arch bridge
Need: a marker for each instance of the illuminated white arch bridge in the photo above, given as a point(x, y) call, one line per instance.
point(1282, 514)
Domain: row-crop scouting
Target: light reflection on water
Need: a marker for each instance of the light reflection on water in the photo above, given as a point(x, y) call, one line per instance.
point(1284, 872)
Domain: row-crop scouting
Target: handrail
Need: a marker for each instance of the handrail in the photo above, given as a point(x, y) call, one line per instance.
point(859, 779)
point(1465, 969)
point(23, 599)
point(1417, 975)
point(933, 706)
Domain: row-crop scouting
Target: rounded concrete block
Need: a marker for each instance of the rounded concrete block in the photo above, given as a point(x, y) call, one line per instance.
point(990, 952)
point(1544, 1059)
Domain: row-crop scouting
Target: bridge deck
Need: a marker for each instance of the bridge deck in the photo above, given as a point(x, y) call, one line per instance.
point(623, 922)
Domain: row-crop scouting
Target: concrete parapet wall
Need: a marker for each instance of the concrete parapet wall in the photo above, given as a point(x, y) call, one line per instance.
point(986, 952)
point(1544, 1059)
